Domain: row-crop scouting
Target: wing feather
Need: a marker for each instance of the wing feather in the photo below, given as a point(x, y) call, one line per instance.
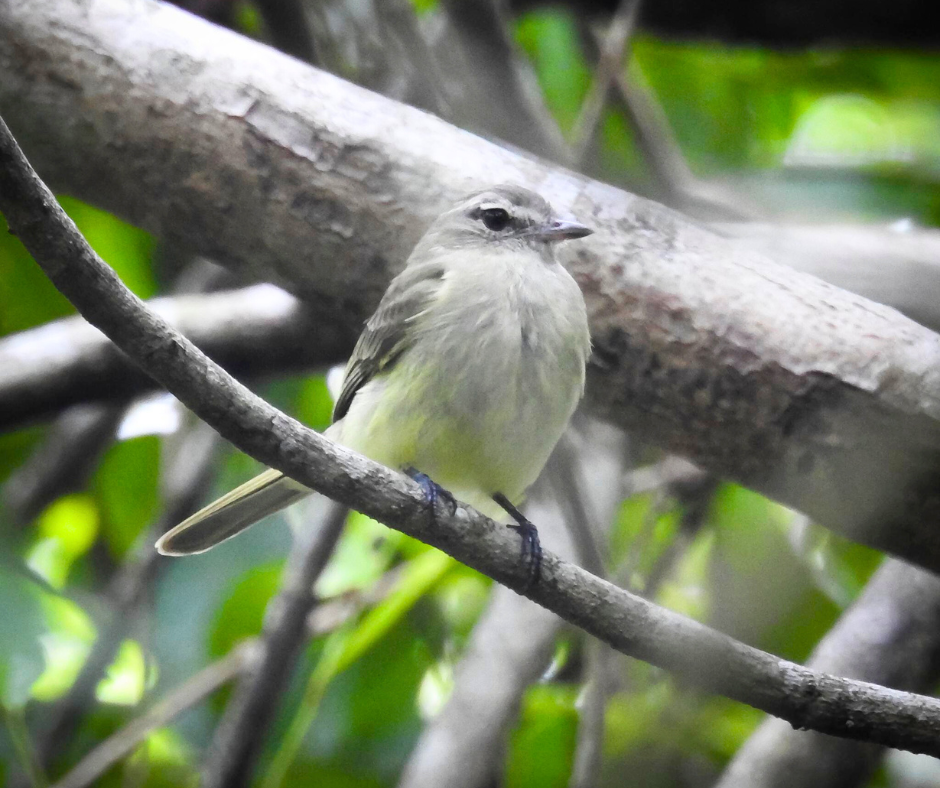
point(386, 335)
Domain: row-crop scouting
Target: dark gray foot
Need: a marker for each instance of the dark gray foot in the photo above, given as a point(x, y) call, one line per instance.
point(433, 492)
point(531, 547)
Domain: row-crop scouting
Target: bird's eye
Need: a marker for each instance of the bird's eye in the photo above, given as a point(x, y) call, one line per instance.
point(495, 219)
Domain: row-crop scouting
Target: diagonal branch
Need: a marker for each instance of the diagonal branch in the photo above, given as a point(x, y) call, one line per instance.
point(889, 635)
point(701, 655)
point(241, 736)
point(609, 64)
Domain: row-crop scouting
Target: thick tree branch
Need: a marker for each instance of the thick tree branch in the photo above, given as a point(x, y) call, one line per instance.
point(255, 331)
point(809, 394)
point(701, 655)
point(897, 264)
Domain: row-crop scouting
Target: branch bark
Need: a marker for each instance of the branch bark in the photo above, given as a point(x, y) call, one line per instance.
point(254, 331)
point(806, 393)
point(713, 661)
point(890, 635)
point(242, 734)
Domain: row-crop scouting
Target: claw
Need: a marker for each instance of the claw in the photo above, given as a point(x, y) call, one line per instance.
point(529, 534)
point(433, 492)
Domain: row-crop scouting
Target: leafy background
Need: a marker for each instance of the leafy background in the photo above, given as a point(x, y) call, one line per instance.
point(828, 133)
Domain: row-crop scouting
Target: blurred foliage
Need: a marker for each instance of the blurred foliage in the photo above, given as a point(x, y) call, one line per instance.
point(829, 133)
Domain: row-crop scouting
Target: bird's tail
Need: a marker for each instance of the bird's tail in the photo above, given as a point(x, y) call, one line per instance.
point(232, 513)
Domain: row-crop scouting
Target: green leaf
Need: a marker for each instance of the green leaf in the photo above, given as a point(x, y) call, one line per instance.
point(126, 490)
point(21, 625)
point(241, 615)
point(127, 678)
point(349, 644)
point(66, 643)
point(541, 748)
point(66, 531)
point(362, 555)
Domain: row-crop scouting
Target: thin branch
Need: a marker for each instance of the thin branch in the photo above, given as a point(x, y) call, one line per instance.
point(123, 742)
point(326, 618)
point(255, 331)
point(509, 648)
point(592, 709)
point(891, 634)
point(511, 643)
point(426, 88)
point(702, 656)
point(609, 64)
point(241, 735)
point(563, 471)
point(694, 495)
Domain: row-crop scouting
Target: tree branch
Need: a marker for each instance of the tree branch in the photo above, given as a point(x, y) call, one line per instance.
point(241, 735)
point(123, 742)
point(630, 624)
point(255, 331)
point(889, 635)
point(811, 395)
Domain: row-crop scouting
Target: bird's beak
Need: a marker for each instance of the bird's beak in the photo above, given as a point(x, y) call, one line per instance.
point(562, 230)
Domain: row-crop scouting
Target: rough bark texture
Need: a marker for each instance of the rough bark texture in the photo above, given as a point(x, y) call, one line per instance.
point(807, 393)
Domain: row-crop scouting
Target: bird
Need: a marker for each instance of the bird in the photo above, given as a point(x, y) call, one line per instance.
point(465, 377)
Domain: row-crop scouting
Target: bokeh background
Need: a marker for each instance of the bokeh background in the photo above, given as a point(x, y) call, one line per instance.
point(740, 114)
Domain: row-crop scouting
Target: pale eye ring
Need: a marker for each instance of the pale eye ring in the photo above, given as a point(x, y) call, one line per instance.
point(495, 219)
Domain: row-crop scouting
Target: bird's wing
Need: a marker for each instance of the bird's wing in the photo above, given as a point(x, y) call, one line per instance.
point(387, 334)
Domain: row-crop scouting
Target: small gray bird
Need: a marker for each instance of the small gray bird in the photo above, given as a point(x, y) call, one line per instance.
point(468, 371)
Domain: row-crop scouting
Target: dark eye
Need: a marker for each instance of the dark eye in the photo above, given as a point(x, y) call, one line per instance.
point(495, 219)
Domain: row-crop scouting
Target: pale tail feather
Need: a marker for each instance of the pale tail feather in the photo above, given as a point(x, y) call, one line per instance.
point(232, 513)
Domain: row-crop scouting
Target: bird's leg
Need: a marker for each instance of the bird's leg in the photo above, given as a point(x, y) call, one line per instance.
point(531, 547)
point(433, 492)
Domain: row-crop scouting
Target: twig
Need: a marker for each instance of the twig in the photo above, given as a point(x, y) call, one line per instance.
point(126, 739)
point(609, 64)
point(242, 733)
point(891, 634)
point(592, 708)
point(712, 661)
point(508, 650)
point(563, 474)
point(694, 494)
point(425, 87)
point(511, 643)
point(664, 157)
point(18, 732)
